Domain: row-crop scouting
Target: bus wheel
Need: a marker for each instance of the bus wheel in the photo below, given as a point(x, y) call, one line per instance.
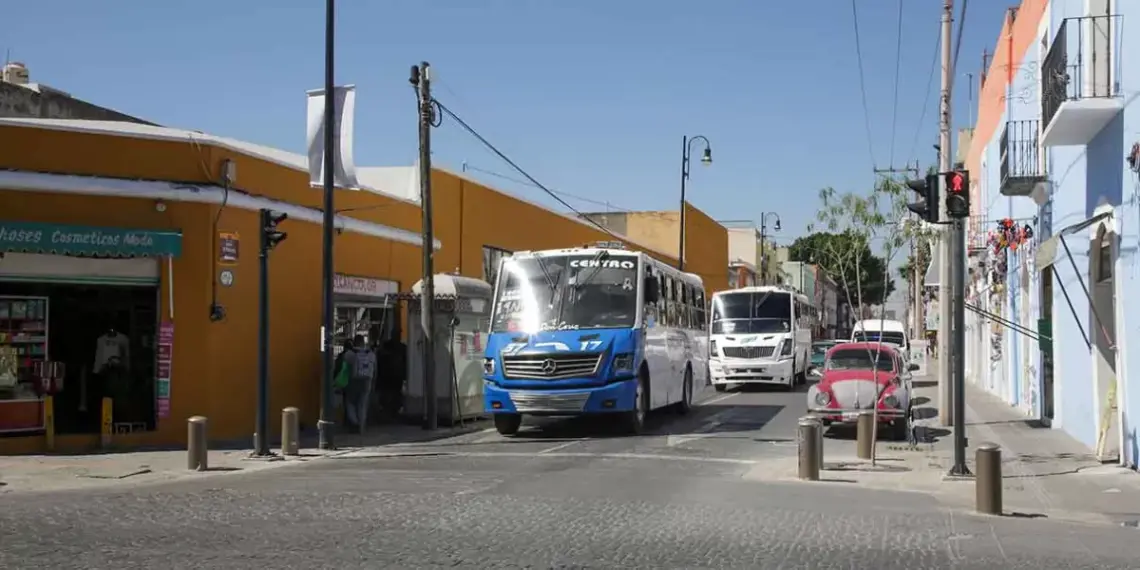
point(686, 404)
point(635, 418)
point(507, 424)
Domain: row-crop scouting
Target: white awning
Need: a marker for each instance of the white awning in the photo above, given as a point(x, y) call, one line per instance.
point(1047, 251)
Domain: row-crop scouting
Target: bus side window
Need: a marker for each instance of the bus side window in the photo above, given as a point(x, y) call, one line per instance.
point(694, 319)
point(662, 300)
point(670, 305)
point(682, 305)
point(701, 309)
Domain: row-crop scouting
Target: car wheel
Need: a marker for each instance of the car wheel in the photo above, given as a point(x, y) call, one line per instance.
point(900, 430)
point(686, 404)
point(507, 424)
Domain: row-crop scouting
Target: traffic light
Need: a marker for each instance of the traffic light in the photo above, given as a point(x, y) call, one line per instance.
point(957, 193)
point(270, 237)
point(927, 205)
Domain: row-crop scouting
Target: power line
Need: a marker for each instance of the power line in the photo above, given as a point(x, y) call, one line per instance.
point(898, 66)
point(926, 98)
point(862, 82)
point(471, 131)
point(560, 192)
point(958, 42)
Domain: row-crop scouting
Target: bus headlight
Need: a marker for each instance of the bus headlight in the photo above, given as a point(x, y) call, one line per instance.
point(623, 362)
point(488, 366)
point(712, 348)
point(786, 348)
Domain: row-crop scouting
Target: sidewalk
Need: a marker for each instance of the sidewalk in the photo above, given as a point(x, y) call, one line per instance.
point(52, 472)
point(1045, 472)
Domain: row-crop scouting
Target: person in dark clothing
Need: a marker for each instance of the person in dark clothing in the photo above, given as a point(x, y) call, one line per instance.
point(338, 364)
point(393, 372)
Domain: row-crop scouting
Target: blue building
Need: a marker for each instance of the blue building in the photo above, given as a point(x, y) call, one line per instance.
point(1055, 163)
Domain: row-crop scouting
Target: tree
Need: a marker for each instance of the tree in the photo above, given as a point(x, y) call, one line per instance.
point(879, 217)
point(813, 249)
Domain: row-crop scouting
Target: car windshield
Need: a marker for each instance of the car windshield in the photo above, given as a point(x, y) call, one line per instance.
point(566, 292)
point(860, 359)
point(896, 338)
point(758, 313)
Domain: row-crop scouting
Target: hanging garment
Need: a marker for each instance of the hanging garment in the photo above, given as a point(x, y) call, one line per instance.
point(112, 347)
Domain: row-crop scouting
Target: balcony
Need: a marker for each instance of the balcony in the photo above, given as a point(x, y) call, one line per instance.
point(1080, 80)
point(1021, 168)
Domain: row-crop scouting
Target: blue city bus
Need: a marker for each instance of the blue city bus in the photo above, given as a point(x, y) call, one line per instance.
point(593, 331)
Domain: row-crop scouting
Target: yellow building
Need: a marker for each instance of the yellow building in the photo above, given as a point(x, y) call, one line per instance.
point(135, 228)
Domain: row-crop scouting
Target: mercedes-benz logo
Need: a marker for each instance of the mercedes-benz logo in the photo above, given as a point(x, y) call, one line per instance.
point(549, 367)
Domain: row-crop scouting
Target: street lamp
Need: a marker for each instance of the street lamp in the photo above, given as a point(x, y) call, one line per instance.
point(764, 244)
point(706, 159)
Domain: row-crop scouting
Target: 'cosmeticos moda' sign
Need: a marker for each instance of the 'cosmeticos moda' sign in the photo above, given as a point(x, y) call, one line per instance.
point(30, 237)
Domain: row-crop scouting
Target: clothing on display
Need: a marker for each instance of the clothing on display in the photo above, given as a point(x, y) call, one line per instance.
point(113, 348)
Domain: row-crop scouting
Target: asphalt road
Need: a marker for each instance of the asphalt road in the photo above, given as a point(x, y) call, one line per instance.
point(563, 497)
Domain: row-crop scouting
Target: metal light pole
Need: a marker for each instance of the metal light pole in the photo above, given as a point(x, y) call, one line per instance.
point(764, 243)
point(706, 159)
point(325, 423)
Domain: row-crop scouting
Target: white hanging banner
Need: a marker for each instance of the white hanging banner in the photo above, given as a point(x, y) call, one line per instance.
point(344, 170)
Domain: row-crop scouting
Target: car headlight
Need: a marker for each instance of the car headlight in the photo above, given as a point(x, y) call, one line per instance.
point(623, 361)
point(712, 348)
point(891, 402)
point(822, 398)
point(488, 366)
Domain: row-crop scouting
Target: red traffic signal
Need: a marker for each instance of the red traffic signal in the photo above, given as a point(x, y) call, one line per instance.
point(957, 184)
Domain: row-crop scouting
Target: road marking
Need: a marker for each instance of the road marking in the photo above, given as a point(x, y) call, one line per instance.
point(718, 399)
point(363, 454)
point(562, 446)
point(703, 432)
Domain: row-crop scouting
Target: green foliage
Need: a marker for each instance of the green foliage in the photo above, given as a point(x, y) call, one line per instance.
point(923, 254)
point(820, 248)
point(849, 225)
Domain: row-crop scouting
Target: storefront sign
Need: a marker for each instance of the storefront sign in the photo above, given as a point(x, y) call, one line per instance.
point(29, 237)
point(228, 250)
point(165, 365)
point(363, 286)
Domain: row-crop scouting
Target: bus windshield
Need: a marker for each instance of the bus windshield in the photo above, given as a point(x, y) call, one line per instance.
point(742, 313)
point(566, 292)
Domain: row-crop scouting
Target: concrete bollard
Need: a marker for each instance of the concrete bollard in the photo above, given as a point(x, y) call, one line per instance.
point(865, 434)
point(196, 448)
point(810, 432)
point(290, 431)
point(987, 480)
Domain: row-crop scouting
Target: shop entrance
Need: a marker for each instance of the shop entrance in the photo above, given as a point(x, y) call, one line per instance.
point(97, 317)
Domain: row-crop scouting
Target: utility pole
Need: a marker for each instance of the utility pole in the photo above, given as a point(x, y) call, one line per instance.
point(325, 424)
point(944, 250)
point(915, 286)
point(421, 80)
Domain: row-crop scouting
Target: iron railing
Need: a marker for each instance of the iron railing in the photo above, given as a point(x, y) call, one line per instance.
point(1020, 151)
point(1083, 62)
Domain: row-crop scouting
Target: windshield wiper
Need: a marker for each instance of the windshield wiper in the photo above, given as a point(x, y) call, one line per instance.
point(546, 273)
point(598, 258)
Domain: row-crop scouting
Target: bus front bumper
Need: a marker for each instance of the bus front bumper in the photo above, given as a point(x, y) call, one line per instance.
point(751, 371)
point(613, 397)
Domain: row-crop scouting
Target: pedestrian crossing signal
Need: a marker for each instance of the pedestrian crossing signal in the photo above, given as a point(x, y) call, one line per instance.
point(957, 184)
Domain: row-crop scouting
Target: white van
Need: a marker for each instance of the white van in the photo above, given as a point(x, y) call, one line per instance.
point(888, 331)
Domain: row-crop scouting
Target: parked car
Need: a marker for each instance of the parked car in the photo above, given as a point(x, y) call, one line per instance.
point(819, 350)
point(857, 376)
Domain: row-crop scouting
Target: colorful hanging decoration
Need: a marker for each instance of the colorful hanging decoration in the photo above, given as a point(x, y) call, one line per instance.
point(1009, 236)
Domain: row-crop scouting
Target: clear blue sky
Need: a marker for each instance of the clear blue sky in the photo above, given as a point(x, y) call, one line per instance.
point(592, 97)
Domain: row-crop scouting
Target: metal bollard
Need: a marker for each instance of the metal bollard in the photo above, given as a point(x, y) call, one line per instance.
point(987, 480)
point(196, 448)
point(865, 434)
point(810, 451)
point(290, 431)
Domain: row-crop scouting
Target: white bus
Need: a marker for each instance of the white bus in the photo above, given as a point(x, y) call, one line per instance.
point(760, 335)
point(593, 331)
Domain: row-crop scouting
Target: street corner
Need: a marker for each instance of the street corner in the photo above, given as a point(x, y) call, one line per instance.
point(898, 469)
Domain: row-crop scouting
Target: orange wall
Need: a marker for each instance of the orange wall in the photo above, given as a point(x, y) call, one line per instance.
point(1013, 43)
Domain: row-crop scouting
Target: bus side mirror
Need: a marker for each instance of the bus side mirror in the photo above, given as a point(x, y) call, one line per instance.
point(652, 291)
